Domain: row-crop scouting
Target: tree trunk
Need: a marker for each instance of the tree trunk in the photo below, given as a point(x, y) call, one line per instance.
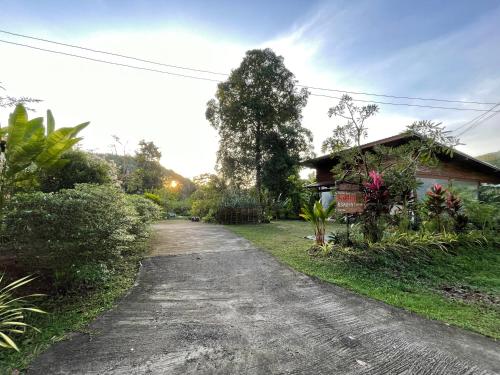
point(258, 165)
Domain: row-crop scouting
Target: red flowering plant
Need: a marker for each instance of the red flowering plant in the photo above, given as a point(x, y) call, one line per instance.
point(376, 206)
point(435, 204)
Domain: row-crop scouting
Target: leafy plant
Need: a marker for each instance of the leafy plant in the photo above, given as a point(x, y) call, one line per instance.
point(376, 205)
point(317, 216)
point(454, 208)
point(13, 312)
point(80, 167)
point(27, 146)
point(53, 232)
point(147, 210)
point(435, 204)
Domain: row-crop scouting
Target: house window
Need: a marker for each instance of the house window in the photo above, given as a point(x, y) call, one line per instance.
point(326, 198)
point(461, 185)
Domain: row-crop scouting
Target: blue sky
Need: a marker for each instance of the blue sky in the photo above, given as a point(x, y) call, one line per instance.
point(438, 49)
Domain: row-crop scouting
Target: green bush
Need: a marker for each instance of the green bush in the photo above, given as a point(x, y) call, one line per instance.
point(179, 207)
point(86, 276)
point(147, 210)
point(57, 233)
point(153, 198)
point(82, 167)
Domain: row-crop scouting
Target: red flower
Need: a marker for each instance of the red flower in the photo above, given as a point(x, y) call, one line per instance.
point(377, 181)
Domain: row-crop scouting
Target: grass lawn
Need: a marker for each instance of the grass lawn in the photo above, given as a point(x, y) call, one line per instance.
point(68, 314)
point(461, 289)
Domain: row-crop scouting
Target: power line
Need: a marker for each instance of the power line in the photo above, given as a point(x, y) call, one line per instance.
point(477, 121)
point(225, 74)
point(396, 97)
point(408, 104)
point(477, 124)
point(110, 62)
point(114, 54)
point(475, 118)
point(218, 81)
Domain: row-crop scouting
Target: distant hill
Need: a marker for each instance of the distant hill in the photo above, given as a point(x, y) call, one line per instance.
point(492, 158)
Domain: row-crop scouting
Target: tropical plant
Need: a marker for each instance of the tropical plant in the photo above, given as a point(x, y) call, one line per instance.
point(435, 204)
point(416, 244)
point(454, 207)
point(13, 312)
point(317, 216)
point(27, 146)
point(376, 205)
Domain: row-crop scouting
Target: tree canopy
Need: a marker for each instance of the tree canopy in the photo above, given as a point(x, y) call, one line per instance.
point(258, 113)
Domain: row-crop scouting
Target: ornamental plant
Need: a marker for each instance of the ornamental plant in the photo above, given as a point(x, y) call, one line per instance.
point(376, 206)
point(13, 312)
point(435, 204)
point(317, 216)
point(454, 208)
point(28, 146)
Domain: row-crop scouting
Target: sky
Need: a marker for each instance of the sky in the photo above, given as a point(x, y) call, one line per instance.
point(429, 49)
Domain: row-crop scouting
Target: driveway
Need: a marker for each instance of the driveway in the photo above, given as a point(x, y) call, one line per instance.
point(208, 302)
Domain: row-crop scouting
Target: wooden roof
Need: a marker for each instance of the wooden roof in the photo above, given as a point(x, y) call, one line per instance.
point(398, 140)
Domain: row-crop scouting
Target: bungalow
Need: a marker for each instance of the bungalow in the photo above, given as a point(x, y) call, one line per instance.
point(461, 169)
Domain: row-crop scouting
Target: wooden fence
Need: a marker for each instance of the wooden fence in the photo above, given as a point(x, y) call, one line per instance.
point(230, 215)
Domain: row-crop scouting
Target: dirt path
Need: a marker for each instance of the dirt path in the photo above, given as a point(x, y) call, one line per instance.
point(210, 302)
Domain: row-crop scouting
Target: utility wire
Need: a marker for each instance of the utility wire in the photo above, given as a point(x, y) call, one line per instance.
point(225, 74)
point(477, 118)
point(478, 121)
point(477, 124)
point(218, 81)
point(110, 62)
point(114, 54)
point(410, 105)
point(396, 97)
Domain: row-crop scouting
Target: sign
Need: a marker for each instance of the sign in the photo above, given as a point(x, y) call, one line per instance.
point(349, 199)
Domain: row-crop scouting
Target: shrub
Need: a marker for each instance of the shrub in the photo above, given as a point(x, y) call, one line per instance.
point(483, 216)
point(81, 167)
point(54, 232)
point(179, 207)
point(85, 276)
point(147, 210)
point(153, 198)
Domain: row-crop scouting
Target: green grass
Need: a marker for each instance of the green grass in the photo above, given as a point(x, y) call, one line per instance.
point(413, 286)
point(68, 314)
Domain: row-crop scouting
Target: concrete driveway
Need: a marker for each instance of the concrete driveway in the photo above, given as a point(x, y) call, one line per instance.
point(208, 302)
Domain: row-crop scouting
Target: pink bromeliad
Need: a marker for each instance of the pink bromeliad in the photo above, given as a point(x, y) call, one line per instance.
point(377, 181)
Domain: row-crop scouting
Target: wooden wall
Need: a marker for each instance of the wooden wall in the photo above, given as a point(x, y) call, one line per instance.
point(454, 169)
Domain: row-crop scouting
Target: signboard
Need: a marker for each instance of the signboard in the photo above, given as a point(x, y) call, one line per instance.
point(349, 199)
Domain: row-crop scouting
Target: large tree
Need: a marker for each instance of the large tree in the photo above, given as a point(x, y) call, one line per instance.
point(258, 113)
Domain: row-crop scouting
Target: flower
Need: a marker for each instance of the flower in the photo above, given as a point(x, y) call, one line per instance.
point(377, 181)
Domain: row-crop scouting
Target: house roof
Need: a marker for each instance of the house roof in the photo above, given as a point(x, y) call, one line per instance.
point(397, 140)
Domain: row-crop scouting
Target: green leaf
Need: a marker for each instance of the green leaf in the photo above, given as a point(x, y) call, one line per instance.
point(8, 341)
point(51, 124)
